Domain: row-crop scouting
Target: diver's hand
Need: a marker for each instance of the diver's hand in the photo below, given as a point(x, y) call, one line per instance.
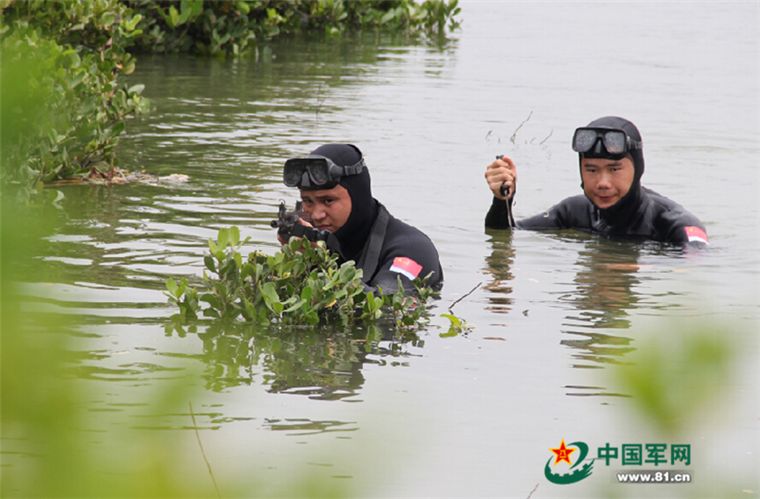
point(502, 172)
point(301, 221)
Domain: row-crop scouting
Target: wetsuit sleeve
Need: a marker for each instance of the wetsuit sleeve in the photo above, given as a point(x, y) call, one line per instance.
point(550, 219)
point(681, 227)
point(496, 218)
point(570, 212)
point(409, 254)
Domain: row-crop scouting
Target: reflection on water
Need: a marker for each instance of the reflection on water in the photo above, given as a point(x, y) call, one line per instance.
point(499, 268)
point(324, 365)
point(597, 288)
point(300, 427)
point(604, 294)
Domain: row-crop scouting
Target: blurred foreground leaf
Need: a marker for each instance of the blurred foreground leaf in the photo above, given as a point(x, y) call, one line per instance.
point(679, 372)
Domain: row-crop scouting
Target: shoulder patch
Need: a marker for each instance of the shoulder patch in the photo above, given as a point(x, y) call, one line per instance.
point(406, 267)
point(694, 233)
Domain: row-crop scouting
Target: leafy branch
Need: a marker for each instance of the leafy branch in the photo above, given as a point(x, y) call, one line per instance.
point(301, 284)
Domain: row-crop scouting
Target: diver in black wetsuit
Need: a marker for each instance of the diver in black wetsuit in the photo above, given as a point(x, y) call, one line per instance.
point(614, 202)
point(337, 197)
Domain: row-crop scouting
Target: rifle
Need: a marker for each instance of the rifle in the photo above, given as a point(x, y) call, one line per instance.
point(287, 224)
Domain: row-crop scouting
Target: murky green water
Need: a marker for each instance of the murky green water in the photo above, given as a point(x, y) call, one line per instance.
point(470, 415)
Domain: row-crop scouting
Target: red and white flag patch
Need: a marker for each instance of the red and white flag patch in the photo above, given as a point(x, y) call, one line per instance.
point(695, 234)
point(406, 266)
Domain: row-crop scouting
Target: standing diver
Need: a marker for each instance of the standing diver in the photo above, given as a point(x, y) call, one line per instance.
point(614, 202)
point(336, 193)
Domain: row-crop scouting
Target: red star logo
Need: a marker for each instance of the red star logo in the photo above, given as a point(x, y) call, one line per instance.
point(563, 453)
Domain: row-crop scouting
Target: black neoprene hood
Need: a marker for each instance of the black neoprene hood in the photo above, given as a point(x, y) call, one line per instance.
point(617, 123)
point(355, 231)
point(622, 210)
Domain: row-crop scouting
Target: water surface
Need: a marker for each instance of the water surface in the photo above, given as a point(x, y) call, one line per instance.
point(470, 415)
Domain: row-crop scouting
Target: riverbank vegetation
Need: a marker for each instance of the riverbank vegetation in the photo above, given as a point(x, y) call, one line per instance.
point(73, 57)
point(65, 61)
point(239, 27)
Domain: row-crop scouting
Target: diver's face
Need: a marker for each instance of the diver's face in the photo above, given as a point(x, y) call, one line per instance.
point(606, 181)
point(327, 209)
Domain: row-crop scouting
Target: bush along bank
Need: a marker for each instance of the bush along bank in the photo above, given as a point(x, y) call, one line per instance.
point(235, 27)
point(63, 104)
point(64, 100)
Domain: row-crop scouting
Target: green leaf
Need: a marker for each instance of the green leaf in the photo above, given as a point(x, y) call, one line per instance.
point(191, 9)
point(136, 89)
point(210, 312)
point(453, 320)
point(171, 286)
point(129, 68)
point(243, 7)
point(212, 300)
point(269, 293)
point(247, 271)
point(210, 264)
point(184, 12)
point(456, 326)
point(249, 310)
point(388, 16)
point(131, 23)
point(118, 128)
point(295, 306)
point(292, 308)
point(107, 19)
point(347, 272)
point(312, 317)
point(174, 19)
point(234, 235)
point(222, 238)
point(71, 59)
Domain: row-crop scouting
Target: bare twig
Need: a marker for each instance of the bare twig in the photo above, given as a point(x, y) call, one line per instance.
point(203, 452)
point(532, 491)
point(465, 295)
point(514, 134)
point(547, 137)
